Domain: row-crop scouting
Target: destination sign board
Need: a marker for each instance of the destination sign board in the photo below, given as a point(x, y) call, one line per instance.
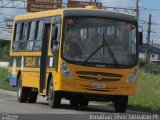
point(42, 5)
point(81, 4)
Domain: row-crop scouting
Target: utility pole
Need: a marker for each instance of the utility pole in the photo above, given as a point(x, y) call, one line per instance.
point(137, 9)
point(90, 2)
point(148, 51)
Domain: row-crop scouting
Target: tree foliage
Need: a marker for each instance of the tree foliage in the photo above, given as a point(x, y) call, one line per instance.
point(4, 51)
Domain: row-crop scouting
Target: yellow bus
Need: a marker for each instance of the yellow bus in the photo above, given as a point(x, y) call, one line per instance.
point(80, 54)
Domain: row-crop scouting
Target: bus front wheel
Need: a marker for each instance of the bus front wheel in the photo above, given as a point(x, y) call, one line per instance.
point(21, 92)
point(32, 96)
point(74, 102)
point(54, 97)
point(84, 103)
point(120, 104)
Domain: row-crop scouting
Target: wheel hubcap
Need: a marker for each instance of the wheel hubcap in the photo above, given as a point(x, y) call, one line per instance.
point(19, 91)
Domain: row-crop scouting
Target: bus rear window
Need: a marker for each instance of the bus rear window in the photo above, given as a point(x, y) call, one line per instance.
point(18, 29)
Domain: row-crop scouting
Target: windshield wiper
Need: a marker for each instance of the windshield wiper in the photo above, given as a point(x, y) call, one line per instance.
point(93, 53)
point(110, 52)
point(106, 44)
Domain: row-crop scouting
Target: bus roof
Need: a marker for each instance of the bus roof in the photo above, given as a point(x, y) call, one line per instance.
point(77, 12)
point(100, 13)
point(39, 14)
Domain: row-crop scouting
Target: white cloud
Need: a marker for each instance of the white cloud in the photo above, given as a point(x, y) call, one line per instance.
point(119, 3)
point(114, 3)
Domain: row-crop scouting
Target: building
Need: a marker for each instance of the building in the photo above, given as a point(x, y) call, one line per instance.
point(5, 34)
point(155, 52)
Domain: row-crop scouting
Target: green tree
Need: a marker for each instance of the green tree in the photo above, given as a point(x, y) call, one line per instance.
point(4, 51)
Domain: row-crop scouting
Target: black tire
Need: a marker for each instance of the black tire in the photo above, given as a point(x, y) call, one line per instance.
point(120, 104)
point(21, 92)
point(74, 102)
point(84, 102)
point(54, 97)
point(32, 96)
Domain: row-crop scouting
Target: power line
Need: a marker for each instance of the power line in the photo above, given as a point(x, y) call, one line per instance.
point(6, 15)
point(19, 4)
point(150, 9)
point(156, 24)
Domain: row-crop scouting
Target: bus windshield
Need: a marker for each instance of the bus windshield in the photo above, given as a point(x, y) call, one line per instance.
point(99, 41)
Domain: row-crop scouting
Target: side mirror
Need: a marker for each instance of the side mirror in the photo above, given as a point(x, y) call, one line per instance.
point(54, 41)
point(140, 36)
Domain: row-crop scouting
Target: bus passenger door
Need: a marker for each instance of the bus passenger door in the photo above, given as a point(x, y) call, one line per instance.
point(44, 56)
point(45, 45)
point(55, 40)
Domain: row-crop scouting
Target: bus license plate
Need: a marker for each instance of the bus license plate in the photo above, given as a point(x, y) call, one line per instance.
point(99, 86)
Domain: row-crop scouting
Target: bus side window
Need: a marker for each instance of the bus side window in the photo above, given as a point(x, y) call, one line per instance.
point(17, 35)
point(31, 38)
point(39, 36)
point(25, 34)
point(56, 28)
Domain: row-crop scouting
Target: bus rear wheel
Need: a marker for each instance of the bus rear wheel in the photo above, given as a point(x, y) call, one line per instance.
point(21, 92)
point(54, 97)
point(120, 104)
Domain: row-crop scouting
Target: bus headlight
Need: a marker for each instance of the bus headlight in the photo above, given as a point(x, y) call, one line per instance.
point(132, 76)
point(65, 71)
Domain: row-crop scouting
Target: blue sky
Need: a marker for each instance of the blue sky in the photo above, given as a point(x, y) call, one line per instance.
point(146, 7)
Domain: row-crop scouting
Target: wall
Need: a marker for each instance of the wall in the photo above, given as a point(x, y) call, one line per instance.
point(4, 64)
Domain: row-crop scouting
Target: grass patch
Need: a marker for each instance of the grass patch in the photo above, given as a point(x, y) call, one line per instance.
point(3, 74)
point(147, 96)
point(4, 84)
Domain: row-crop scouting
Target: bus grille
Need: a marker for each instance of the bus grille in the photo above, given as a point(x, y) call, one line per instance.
point(100, 76)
